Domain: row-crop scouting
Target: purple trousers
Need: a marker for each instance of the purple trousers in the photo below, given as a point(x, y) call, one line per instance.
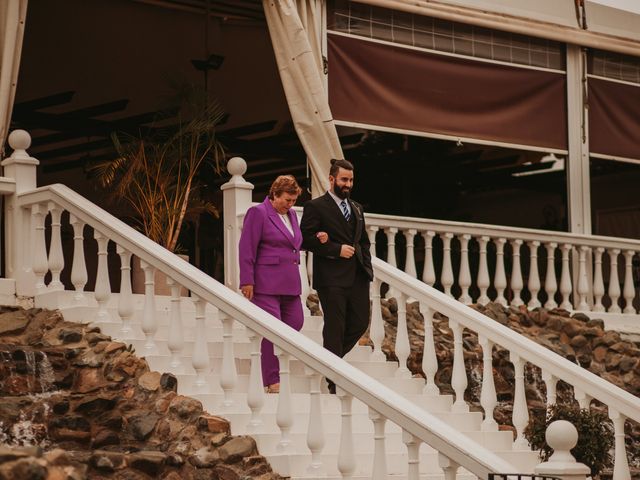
point(287, 308)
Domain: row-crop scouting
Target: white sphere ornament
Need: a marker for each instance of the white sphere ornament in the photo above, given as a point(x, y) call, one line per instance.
point(562, 436)
point(19, 140)
point(237, 166)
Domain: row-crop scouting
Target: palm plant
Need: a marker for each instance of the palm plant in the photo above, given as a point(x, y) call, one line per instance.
point(159, 175)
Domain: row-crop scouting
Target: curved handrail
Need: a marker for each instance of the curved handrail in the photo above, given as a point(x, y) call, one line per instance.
point(597, 388)
point(406, 414)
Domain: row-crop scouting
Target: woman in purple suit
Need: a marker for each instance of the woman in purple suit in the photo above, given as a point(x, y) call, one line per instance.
point(269, 262)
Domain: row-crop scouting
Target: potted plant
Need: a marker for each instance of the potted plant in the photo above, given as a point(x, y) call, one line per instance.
point(159, 174)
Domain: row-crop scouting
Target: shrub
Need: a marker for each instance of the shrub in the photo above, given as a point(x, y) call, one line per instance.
point(595, 435)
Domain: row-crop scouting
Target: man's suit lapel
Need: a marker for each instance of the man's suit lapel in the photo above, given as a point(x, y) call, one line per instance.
point(336, 213)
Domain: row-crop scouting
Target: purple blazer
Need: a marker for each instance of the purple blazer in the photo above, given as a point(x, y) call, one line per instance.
point(269, 254)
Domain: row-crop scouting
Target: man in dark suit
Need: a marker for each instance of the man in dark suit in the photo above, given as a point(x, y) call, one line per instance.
point(342, 265)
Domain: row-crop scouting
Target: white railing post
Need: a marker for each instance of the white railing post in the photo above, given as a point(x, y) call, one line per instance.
point(629, 290)
point(446, 277)
point(429, 358)
point(459, 380)
point(483, 271)
point(56, 258)
point(236, 195)
point(379, 471)
point(175, 342)
point(550, 282)
point(428, 272)
point(410, 259)
point(79, 275)
point(550, 382)
point(18, 228)
point(304, 281)
point(562, 436)
point(500, 279)
point(565, 278)
point(464, 277)
point(149, 324)
point(315, 430)
point(39, 257)
point(376, 331)
point(534, 277)
point(516, 273)
point(413, 455)
point(520, 415)
point(125, 299)
point(371, 232)
point(284, 412)
point(102, 290)
point(583, 281)
point(488, 397)
point(200, 357)
point(228, 374)
point(391, 256)
point(255, 392)
point(402, 347)
point(346, 455)
point(614, 283)
point(598, 281)
point(448, 466)
point(620, 462)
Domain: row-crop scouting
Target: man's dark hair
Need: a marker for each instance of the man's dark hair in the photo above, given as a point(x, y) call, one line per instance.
point(339, 163)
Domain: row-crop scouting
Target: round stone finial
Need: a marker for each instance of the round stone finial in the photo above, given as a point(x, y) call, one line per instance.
point(237, 166)
point(19, 140)
point(561, 436)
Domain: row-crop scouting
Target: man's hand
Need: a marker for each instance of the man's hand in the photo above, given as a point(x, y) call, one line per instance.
point(247, 291)
point(347, 251)
point(323, 237)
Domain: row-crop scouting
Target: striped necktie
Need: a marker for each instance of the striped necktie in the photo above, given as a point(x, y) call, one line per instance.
point(345, 210)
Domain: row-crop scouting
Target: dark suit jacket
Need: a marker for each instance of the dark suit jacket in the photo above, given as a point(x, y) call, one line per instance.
point(329, 269)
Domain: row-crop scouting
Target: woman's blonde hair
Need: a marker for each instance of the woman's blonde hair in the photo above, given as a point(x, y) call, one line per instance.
point(284, 184)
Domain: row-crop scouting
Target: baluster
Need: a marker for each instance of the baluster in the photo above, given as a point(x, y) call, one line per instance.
point(103, 287)
point(79, 268)
point(304, 281)
point(255, 392)
point(125, 299)
point(459, 373)
point(583, 283)
point(534, 277)
point(429, 358)
point(550, 381)
point(371, 232)
point(200, 357)
point(582, 398)
point(315, 432)
point(446, 278)
point(379, 449)
point(620, 463)
point(402, 338)
point(464, 277)
point(520, 412)
point(614, 283)
point(228, 373)
point(346, 456)
point(629, 291)
point(310, 271)
point(488, 397)
point(176, 338)
point(428, 272)
point(40, 263)
point(391, 245)
point(500, 280)
point(483, 271)
point(56, 258)
point(284, 413)
point(149, 324)
point(598, 282)
point(448, 466)
point(410, 262)
point(413, 455)
point(376, 331)
point(550, 283)
point(565, 278)
point(516, 273)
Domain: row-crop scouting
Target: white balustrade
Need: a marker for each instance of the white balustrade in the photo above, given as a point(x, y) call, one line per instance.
point(402, 347)
point(56, 258)
point(582, 398)
point(371, 232)
point(565, 278)
point(379, 447)
point(620, 462)
point(391, 245)
point(598, 282)
point(449, 467)
point(500, 280)
point(79, 275)
point(125, 299)
point(228, 374)
point(315, 430)
point(413, 455)
point(284, 412)
point(446, 277)
point(614, 283)
point(429, 272)
point(102, 290)
point(459, 380)
point(346, 454)
point(304, 281)
point(149, 324)
point(40, 264)
point(629, 292)
point(175, 343)
point(255, 392)
point(200, 357)
point(516, 273)
point(550, 283)
point(376, 330)
point(520, 416)
point(583, 281)
point(464, 277)
point(534, 277)
point(550, 382)
point(488, 397)
point(410, 259)
point(483, 271)
point(429, 358)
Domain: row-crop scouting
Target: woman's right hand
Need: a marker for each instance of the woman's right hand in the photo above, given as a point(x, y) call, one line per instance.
point(247, 291)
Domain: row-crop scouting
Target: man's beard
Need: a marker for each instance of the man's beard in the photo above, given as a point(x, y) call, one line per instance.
point(340, 193)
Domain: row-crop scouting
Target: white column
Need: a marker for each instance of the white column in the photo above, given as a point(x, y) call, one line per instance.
point(584, 400)
point(315, 431)
point(429, 358)
point(428, 272)
point(371, 232)
point(550, 382)
point(391, 245)
point(40, 264)
point(534, 277)
point(449, 467)
point(200, 357)
point(565, 278)
point(550, 283)
point(583, 281)
point(447, 270)
point(629, 290)
point(500, 280)
point(520, 410)
point(175, 342)
point(304, 281)
point(56, 258)
point(488, 397)
point(102, 290)
point(236, 201)
point(459, 372)
point(284, 412)
point(516, 273)
point(410, 262)
point(379, 447)
point(402, 347)
point(620, 463)
point(614, 283)
point(376, 331)
point(346, 455)
point(149, 324)
point(464, 277)
point(125, 299)
point(79, 275)
point(413, 455)
point(255, 392)
point(483, 271)
point(598, 281)
point(228, 374)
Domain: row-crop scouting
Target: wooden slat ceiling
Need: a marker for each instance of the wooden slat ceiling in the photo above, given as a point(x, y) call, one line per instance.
point(239, 10)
